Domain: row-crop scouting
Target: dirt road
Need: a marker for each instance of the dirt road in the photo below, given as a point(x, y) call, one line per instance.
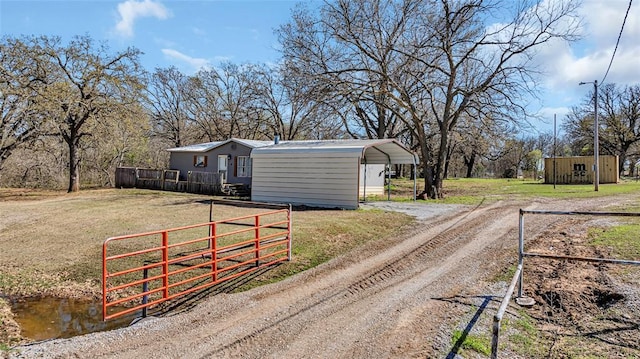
point(390, 299)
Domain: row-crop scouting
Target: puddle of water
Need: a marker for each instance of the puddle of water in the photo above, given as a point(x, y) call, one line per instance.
point(50, 318)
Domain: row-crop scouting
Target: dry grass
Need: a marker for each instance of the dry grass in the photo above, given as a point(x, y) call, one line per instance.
point(50, 241)
point(10, 332)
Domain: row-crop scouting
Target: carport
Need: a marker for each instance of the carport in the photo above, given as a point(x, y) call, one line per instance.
point(321, 173)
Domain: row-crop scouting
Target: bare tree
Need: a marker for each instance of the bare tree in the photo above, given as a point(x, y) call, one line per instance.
point(486, 68)
point(291, 108)
point(480, 139)
point(427, 63)
point(346, 55)
point(619, 118)
point(168, 103)
point(224, 102)
point(120, 139)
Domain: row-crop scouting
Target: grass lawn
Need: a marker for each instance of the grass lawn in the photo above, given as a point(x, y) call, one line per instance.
point(51, 242)
point(55, 240)
point(473, 191)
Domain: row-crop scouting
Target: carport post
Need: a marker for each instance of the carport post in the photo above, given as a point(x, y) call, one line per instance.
point(415, 178)
point(364, 190)
point(389, 180)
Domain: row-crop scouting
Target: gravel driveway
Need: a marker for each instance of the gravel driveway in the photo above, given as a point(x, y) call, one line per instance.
point(392, 298)
point(419, 209)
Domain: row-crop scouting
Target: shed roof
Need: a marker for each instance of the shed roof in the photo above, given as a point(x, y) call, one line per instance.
point(208, 146)
point(380, 151)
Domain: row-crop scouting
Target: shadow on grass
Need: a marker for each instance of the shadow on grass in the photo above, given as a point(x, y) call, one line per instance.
point(474, 320)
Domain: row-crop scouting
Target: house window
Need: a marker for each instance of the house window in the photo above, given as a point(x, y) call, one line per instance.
point(244, 166)
point(200, 161)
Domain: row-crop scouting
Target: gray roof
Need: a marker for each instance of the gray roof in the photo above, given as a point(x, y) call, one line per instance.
point(381, 151)
point(208, 146)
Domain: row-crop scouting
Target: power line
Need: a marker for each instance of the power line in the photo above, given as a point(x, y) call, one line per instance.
point(617, 42)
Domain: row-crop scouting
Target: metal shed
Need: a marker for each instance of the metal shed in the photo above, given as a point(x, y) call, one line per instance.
point(579, 169)
point(320, 173)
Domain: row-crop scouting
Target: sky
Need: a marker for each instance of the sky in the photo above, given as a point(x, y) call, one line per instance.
point(192, 34)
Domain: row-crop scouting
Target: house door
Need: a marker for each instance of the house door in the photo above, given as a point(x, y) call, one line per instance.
point(223, 163)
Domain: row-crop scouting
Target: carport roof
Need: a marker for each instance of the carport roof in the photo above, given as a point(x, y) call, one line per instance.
point(381, 151)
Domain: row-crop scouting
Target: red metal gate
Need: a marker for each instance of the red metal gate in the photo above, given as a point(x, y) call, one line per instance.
point(146, 269)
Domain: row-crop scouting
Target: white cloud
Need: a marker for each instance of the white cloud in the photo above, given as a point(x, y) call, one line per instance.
point(588, 59)
point(566, 65)
point(194, 62)
point(131, 10)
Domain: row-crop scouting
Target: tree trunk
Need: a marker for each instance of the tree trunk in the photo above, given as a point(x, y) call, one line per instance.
point(2, 159)
point(470, 162)
point(622, 158)
point(448, 161)
point(74, 165)
point(426, 154)
point(429, 181)
point(435, 191)
point(74, 171)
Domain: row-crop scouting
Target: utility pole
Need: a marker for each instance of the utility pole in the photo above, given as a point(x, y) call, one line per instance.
point(555, 136)
point(596, 157)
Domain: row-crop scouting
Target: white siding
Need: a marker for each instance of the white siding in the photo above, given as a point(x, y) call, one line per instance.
point(314, 179)
point(374, 181)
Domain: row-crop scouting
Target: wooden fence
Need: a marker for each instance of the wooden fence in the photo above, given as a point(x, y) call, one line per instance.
point(168, 180)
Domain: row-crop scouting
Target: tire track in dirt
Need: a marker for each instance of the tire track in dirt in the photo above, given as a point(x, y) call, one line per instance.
point(277, 308)
point(354, 306)
point(442, 241)
point(446, 236)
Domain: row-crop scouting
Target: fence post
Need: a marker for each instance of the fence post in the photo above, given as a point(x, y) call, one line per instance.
point(495, 337)
point(211, 228)
point(497, 319)
point(145, 289)
point(214, 256)
point(521, 251)
point(289, 243)
point(165, 264)
point(257, 230)
point(104, 280)
point(137, 178)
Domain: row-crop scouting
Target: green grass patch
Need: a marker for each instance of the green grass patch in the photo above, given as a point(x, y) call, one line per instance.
point(524, 337)
point(477, 343)
point(622, 240)
point(320, 235)
point(474, 191)
point(506, 275)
